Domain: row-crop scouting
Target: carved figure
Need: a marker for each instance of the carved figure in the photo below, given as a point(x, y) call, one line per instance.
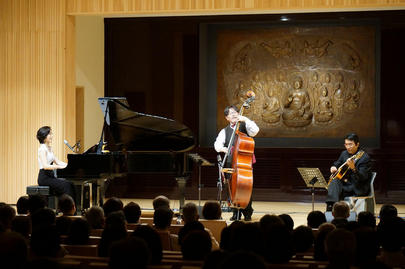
point(257, 86)
point(315, 49)
point(352, 97)
point(297, 112)
point(323, 112)
point(242, 60)
point(271, 108)
point(353, 56)
point(278, 50)
point(338, 97)
point(240, 96)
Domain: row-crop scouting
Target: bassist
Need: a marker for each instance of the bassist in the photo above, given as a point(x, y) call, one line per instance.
point(248, 127)
point(356, 180)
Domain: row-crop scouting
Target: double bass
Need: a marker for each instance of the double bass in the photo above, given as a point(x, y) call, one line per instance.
point(240, 183)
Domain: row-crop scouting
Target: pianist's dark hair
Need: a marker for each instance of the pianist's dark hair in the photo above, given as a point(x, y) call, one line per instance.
point(226, 110)
point(42, 133)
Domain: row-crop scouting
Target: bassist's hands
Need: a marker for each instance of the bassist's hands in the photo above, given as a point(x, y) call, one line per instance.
point(333, 169)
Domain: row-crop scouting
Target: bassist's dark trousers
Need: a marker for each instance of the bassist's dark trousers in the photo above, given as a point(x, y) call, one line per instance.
point(246, 212)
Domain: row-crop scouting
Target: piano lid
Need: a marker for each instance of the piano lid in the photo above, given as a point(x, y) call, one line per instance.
point(125, 129)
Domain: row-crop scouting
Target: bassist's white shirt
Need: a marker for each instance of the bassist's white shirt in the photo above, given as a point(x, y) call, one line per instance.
point(251, 128)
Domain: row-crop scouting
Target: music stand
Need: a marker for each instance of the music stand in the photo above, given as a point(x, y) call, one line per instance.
point(313, 179)
point(200, 161)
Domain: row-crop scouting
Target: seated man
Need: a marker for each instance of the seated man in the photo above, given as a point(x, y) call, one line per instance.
point(160, 201)
point(355, 172)
point(66, 205)
point(340, 213)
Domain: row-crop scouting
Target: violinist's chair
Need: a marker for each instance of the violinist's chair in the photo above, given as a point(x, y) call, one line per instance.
point(363, 203)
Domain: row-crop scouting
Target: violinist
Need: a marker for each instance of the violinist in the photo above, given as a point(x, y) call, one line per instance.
point(357, 173)
point(221, 144)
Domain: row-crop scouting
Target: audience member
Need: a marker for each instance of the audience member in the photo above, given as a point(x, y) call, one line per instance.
point(196, 245)
point(351, 226)
point(129, 253)
point(227, 233)
point(366, 219)
point(111, 205)
point(190, 213)
point(43, 217)
point(248, 237)
point(152, 240)
point(7, 214)
point(188, 227)
point(13, 251)
point(22, 225)
point(303, 238)
point(162, 218)
point(45, 242)
point(340, 213)
point(132, 212)
point(268, 221)
point(79, 232)
point(215, 259)
point(388, 211)
point(315, 219)
point(278, 243)
point(23, 205)
point(159, 201)
point(288, 221)
point(95, 217)
point(212, 211)
point(66, 205)
point(36, 202)
point(63, 224)
point(340, 246)
point(391, 235)
point(242, 260)
point(366, 247)
point(115, 230)
point(319, 243)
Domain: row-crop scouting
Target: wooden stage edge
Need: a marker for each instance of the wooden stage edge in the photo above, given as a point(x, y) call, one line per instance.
point(298, 211)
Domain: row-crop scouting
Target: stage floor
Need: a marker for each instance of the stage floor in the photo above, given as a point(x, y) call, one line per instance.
point(298, 211)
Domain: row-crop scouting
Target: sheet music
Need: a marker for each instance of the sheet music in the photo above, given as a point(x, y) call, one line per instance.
point(309, 173)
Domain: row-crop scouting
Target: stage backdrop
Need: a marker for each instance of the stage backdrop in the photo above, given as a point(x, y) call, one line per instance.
point(315, 81)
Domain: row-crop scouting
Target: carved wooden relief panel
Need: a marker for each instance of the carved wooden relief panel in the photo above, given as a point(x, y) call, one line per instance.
point(309, 81)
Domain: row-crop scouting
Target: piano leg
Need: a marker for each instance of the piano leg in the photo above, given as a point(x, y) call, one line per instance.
point(181, 182)
point(82, 196)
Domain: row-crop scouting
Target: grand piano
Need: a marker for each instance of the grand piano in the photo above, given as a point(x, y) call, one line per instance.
point(131, 142)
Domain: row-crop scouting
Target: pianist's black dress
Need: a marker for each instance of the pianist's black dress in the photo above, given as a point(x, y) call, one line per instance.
point(47, 177)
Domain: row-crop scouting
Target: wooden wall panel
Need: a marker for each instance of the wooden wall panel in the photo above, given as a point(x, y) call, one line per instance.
point(32, 88)
point(212, 7)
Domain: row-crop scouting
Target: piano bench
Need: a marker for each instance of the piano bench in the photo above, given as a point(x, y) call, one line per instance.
point(51, 199)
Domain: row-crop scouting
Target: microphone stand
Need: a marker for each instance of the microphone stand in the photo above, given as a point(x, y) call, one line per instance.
point(219, 182)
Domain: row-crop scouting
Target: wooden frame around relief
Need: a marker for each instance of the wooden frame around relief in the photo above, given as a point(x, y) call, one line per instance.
point(313, 84)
